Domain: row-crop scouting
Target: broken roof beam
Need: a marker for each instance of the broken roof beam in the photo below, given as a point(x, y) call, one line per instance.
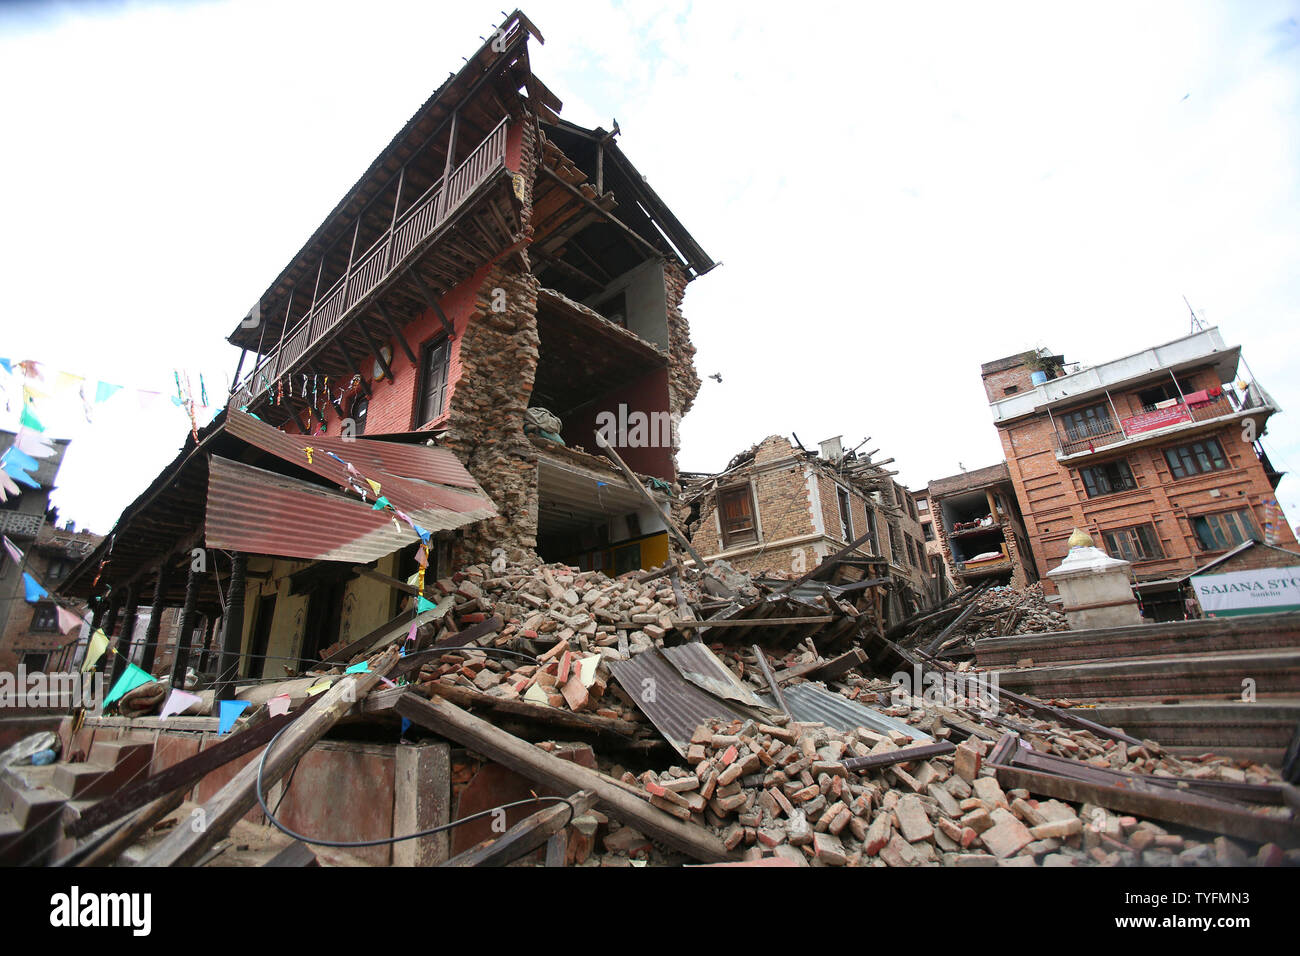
point(526, 835)
point(618, 800)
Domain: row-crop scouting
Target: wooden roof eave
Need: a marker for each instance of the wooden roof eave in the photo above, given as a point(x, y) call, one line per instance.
point(456, 91)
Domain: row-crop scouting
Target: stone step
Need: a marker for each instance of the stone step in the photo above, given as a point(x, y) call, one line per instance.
point(131, 756)
point(83, 780)
point(1222, 676)
point(27, 846)
point(30, 806)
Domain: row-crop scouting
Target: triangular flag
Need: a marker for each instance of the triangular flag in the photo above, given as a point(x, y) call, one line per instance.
point(95, 649)
point(423, 604)
point(66, 381)
point(34, 592)
point(104, 391)
point(362, 667)
point(278, 705)
point(7, 365)
point(410, 635)
point(28, 420)
point(132, 678)
point(178, 701)
point(374, 485)
point(380, 504)
point(424, 535)
point(422, 558)
point(315, 689)
point(230, 711)
point(146, 399)
point(17, 463)
point(33, 443)
point(8, 486)
point(13, 550)
point(406, 725)
point(68, 620)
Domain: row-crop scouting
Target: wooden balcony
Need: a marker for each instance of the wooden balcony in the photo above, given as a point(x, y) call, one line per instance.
point(371, 272)
point(1156, 422)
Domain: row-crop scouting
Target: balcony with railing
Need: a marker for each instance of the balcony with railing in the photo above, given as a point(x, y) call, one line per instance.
point(405, 241)
point(1160, 419)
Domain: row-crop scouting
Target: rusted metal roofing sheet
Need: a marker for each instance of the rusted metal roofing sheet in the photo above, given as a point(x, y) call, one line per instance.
point(260, 512)
point(814, 702)
point(674, 705)
point(701, 667)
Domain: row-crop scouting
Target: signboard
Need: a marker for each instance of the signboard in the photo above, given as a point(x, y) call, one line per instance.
point(1160, 418)
point(1260, 591)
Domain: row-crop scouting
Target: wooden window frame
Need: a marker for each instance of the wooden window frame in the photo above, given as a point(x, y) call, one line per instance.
point(1194, 458)
point(1138, 549)
point(1214, 524)
point(844, 502)
point(1079, 425)
point(427, 352)
point(736, 537)
point(1092, 487)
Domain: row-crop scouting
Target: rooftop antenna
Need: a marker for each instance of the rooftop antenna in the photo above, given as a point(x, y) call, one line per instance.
point(1197, 324)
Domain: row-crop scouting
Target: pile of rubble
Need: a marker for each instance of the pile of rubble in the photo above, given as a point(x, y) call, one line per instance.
point(1004, 611)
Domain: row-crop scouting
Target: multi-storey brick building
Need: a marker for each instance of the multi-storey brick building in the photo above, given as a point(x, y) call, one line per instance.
point(979, 530)
point(778, 508)
point(497, 288)
point(1155, 454)
point(30, 633)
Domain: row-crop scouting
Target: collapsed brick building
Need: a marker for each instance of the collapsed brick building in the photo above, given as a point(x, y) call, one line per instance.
point(1155, 454)
point(980, 532)
point(780, 509)
point(499, 286)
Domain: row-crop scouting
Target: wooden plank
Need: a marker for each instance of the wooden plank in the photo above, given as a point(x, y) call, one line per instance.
point(115, 843)
point(388, 579)
point(905, 755)
point(183, 846)
point(526, 835)
point(557, 848)
point(465, 697)
point(296, 854)
point(755, 621)
point(1213, 817)
point(472, 633)
point(771, 679)
point(720, 588)
point(839, 666)
point(619, 801)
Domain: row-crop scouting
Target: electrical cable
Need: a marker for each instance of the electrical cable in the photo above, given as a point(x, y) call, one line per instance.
point(345, 844)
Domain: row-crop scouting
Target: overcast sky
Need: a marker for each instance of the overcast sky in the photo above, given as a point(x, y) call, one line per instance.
point(897, 193)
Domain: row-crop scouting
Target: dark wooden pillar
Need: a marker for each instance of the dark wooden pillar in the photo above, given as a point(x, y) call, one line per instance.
point(131, 611)
point(185, 637)
point(154, 627)
point(209, 628)
point(232, 632)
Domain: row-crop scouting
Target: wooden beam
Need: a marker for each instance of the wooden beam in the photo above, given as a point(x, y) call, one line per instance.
point(526, 835)
point(609, 216)
point(397, 333)
point(374, 349)
point(182, 846)
point(756, 621)
point(684, 541)
point(352, 365)
point(432, 301)
point(905, 755)
point(609, 727)
point(391, 581)
point(619, 800)
point(771, 679)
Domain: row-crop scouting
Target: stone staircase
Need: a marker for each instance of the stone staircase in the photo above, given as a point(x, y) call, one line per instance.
point(36, 802)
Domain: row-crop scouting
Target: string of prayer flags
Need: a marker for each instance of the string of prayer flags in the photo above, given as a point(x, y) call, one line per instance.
point(278, 705)
point(32, 589)
point(95, 649)
point(230, 711)
point(178, 701)
point(131, 678)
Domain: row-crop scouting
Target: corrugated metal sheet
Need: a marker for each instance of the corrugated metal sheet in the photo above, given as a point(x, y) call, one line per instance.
point(701, 667)
point(411, 476)
point(260, 512)
point(674, 705)
point(813, 702)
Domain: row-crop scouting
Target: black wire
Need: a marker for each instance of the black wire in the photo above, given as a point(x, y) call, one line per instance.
point(344, 844)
